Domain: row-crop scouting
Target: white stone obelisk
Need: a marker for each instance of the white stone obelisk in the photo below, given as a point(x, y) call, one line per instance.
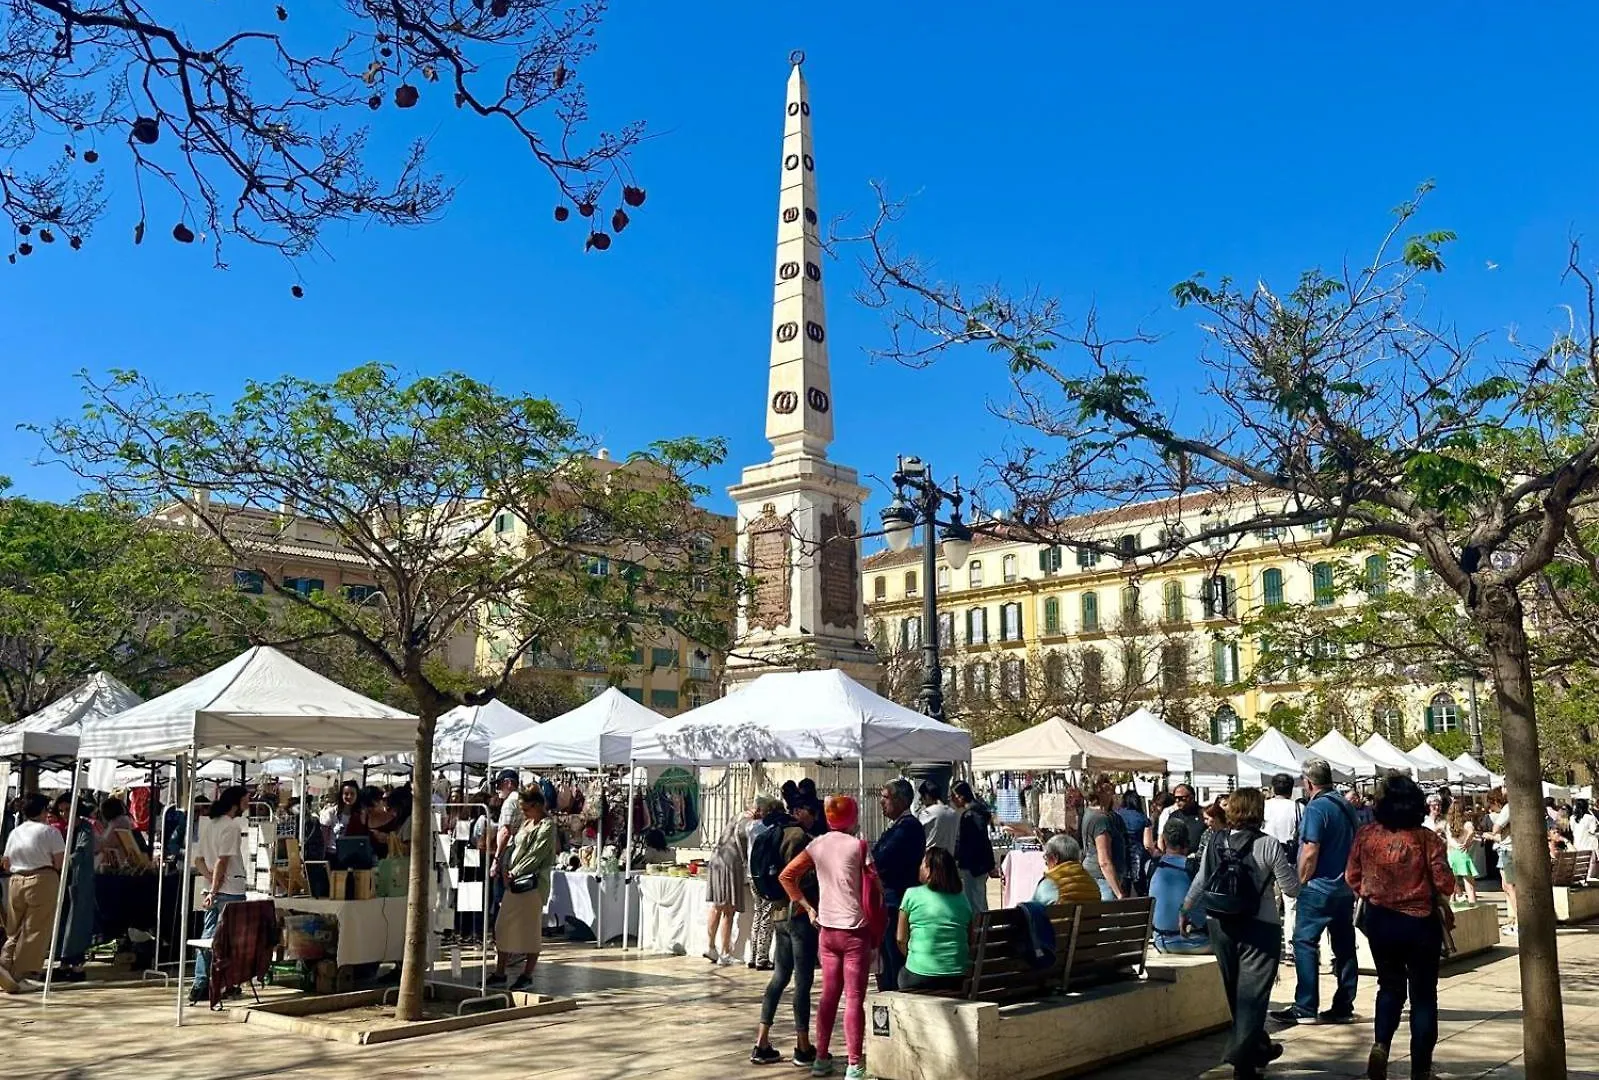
point(799, 515)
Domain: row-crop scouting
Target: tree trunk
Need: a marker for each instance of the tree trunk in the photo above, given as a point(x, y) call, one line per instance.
point(1500, 615)
point(418, 912)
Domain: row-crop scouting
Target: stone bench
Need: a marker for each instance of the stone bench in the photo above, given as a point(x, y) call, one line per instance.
point(918, 1037)
point(1476, 931)
point(1574, 905)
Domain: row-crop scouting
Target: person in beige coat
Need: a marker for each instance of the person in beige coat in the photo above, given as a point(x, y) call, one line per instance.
point(519, 928)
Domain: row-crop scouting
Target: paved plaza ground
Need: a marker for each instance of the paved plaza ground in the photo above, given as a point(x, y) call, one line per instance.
point(676, 1018)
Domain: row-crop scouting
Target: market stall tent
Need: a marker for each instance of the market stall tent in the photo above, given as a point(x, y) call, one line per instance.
point(1392, 757)
point(1182, 753)
point(1252, 771)
point(1057, 744)
point(596, 734)
point(1273, 745)
point(1472, 767)
point(1339, 751)
point(466, 732)
point(800, 716)
point(1427, 755)
point(52, 732)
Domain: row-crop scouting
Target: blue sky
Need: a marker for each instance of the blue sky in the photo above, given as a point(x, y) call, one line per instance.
point(1100, 152)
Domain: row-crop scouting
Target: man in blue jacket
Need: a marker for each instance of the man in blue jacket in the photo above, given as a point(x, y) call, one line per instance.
point(898, 858)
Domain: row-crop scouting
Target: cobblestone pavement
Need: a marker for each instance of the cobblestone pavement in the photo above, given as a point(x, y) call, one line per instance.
point(673, 1018)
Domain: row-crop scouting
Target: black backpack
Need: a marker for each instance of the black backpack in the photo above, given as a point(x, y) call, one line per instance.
point(766, 861)
point(1230, 887)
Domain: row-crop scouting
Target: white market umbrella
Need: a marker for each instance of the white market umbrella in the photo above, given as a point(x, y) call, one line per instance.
point(260, 699)
point(1057, 745)
point(800, 716)
point(1425, 753)
point(597, 733)
point(1339, 751)
point(1394, 758)
point(1182, 752)
point(53, 730)
point(1273, 745)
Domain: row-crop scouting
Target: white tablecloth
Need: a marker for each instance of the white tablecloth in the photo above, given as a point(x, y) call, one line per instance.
point(672, 914)
point(580, 895)
point(370, 931)
point(1022, 870)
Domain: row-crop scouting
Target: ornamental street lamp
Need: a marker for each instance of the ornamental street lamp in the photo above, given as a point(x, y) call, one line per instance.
point(917, 500)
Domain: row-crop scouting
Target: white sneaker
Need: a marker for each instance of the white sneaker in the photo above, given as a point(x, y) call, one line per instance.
point(710, 954)
point(726, 961)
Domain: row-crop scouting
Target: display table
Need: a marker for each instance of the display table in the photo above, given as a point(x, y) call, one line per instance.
point(672, 914)
point(581, 895)
point(1022, 871)
point(370, 931)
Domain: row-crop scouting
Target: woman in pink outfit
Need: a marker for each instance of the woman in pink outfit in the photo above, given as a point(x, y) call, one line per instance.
point(847, 945)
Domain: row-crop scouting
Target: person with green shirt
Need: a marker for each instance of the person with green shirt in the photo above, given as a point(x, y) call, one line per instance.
point(935, 922)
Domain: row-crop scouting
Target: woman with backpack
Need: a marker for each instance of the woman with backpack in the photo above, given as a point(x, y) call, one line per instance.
point(1233, 891)
point(1399, 869)
point(850, 916)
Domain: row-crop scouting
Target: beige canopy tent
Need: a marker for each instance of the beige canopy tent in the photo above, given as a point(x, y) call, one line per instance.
point(1057, 744)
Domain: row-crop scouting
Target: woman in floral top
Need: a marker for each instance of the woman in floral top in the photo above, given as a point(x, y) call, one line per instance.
point(1401, 870)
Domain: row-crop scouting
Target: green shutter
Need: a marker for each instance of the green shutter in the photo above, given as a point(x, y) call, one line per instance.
point(1271, 587)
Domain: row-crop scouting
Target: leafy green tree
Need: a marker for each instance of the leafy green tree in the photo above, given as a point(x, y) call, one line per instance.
point(487, 523)
point(1334, 403)
point(90, 587)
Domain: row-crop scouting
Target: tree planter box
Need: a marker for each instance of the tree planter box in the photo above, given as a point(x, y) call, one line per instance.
point(917, 1037)
point(1476, 931)
point(362, 1017)
point(1576, 905)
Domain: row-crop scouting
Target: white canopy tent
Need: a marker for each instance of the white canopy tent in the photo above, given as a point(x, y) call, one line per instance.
point(1473, 768)
point(463, 735)
point(1273, 745)
point(1339, 751)
point(596, 734)
point(259, 700)
point(1392, 757)
point(1425, 753)
point(52, 732)
point(800, 716)
point(1183, 753)
point(1057, 744)
point(1254, 771)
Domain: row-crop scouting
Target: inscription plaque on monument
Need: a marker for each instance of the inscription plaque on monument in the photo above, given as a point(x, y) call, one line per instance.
point(769, 564)
point(840, 576)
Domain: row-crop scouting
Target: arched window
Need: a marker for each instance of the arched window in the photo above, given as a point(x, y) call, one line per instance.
point(1010, 622)
point(880, 588)
point(1174, 658)
point(1442, 714)
point(1172, 606)
point(1090, 612)
point(1051, 615)
point(1271, 589)
point(1376, 575)
point(977, 626)
point(910, 583)
point(1224, 725)
point(1224, 662)
point(1321, 584)
point(1054, 671)
point(1130, 606)
point(974, 574)
point(1007, 567)
point(1093, 674)
point(943, 579)
point(1389, 722)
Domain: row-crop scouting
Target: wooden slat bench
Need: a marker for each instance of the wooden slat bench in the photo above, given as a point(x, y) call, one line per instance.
point(1094, 943)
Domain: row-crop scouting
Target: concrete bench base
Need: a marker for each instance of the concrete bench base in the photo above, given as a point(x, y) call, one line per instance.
point(1576, 905)
point(915, 1037)
point(1476, 931)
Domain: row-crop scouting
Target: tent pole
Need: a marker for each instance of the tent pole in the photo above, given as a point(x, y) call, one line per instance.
point(599, 867)
point(186, 897)
point(61, 881)
point(861, 788)
point(627, 856)
point(160, 867)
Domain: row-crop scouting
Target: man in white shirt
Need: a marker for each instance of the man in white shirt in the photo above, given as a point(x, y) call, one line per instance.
point(1282, 825)
point(941, 821)
point(33, 855)
point(510, 819)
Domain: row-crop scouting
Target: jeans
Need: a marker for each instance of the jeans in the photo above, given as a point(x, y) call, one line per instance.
point(1405, 950)
point(911, 982)
point(1247, 954)
point(892, 959)
point(975, 886)
point(213, 917)
point(1105, 892)
point(846, 955)
point(1324, 905)
point(1182, 944)
point(793, 956)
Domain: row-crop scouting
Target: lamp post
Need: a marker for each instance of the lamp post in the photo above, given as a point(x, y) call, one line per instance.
point(917, 500)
